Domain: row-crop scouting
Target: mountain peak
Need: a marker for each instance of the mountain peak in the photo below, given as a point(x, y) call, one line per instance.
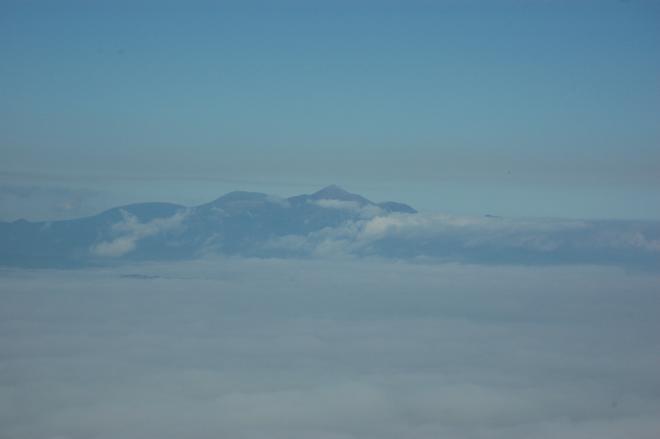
point(238, 223)
point(334, 192)
point(331, 191)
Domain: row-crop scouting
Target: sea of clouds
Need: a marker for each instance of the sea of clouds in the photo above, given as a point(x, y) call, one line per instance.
point(271, 348)
point(479, 239)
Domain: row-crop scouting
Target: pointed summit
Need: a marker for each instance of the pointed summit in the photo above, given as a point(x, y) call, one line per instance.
point(334, 192)
point(331, 191)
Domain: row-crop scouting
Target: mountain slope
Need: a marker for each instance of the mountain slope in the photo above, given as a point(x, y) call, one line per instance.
point(236, 223)
point(329, 223)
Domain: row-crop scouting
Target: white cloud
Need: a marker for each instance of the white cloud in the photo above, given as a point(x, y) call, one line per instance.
point(483, 239)
point(329, 349)
point(131, 230)
point(363, 211)
point(115, 248)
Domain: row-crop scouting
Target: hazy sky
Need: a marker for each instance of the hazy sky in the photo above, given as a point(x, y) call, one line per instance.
point(535, 107)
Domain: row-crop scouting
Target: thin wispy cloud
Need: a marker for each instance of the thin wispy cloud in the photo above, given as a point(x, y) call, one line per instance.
point(130, 231)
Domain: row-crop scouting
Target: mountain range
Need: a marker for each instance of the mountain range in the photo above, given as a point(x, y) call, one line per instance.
point(326, 224)
point(237, 223)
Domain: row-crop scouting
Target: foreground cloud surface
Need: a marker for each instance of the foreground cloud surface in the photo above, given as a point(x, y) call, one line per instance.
point(329, 349)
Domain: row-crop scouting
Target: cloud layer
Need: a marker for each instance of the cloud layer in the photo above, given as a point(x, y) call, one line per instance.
point(484, 240)
point(329, 349)
point(130, 230)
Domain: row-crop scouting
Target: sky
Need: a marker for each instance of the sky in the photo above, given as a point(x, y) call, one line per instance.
point(254, 348)
point(532, 108)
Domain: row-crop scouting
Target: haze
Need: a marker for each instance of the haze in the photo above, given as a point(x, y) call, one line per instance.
point(506, 107)
point(306, 219)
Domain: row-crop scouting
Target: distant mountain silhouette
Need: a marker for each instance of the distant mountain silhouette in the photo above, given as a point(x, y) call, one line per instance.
point(329, 223)
point(236, 223)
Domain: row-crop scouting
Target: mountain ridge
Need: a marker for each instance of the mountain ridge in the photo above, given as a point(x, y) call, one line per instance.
point(328, 223)
point(234, 223)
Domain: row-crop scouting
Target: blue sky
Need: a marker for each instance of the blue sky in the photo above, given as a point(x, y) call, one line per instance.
point(517, 108)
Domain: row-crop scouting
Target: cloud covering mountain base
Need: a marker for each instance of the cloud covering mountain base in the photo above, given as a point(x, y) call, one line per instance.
point(330, 223)
point(255, 348)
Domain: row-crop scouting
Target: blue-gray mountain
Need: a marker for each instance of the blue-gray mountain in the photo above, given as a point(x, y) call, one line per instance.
point(236, 223)
point(328, 223)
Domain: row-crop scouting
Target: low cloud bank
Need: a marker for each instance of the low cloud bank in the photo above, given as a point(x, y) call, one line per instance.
point(254, 348)
point(130, 231)
point(482, 240)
